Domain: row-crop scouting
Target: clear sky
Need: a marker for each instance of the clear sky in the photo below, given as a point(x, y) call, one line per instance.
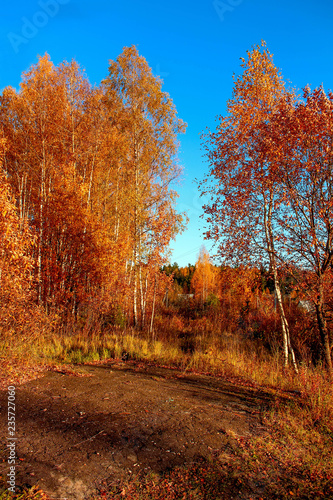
point(194, 46)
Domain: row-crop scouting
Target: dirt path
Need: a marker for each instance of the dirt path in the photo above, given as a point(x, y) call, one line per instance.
point(74, 433)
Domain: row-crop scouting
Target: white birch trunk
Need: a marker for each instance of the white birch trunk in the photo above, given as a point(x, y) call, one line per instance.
point(287, 348)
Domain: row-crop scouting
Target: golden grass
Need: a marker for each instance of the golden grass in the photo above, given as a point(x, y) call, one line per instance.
point(33, 493)
point(226, 355)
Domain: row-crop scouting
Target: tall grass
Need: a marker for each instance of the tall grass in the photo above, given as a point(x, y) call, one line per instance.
point(194, 345)
point(228, 355)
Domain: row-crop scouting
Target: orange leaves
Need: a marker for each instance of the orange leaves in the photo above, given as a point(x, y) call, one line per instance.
point(243, 158)
point(145, 204)
point(271, 161)
point(15, 255)
point(91, 169)
point(247, 195)
point(204, 280)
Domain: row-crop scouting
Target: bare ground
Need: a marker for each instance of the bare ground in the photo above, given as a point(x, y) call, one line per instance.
point(79, 434)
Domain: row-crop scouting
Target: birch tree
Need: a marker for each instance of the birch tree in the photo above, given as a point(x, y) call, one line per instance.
point(45, 125)
point(16, 263)
point(147, 119)
point(204, 280)
point(303, 152)
point(243, 183)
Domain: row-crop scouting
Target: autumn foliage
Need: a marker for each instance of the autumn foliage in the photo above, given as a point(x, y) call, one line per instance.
point(204, 280)
point(87, 208)
point(87, 214)
point(15, 255)
point(270, 184)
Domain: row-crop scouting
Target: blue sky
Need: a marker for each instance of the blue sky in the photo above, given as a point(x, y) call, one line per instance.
point(195, 46)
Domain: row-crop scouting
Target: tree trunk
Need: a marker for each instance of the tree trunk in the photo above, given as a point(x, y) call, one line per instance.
point(287, 348)
point(151, 330)
point(41, 228)
point(324, 333)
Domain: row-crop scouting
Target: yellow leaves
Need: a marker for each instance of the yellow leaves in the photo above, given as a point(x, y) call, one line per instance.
point(204, 277)
point(15, 247)
point(257, 90)
point(90, 170)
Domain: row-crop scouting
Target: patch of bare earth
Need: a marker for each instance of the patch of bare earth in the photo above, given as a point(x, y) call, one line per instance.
point(76, 433)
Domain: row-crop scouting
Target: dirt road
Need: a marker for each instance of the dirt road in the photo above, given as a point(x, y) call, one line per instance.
point(75, 433)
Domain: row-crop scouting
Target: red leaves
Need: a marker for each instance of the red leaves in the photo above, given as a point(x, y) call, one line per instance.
point(272, 182)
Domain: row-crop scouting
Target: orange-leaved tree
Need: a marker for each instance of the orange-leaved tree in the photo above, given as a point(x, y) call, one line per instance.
point(48, 163)
point(92, 172)
point(146, 168)
point(303, 150)
point(243, 181)
point(16, 264)
point(204, 280)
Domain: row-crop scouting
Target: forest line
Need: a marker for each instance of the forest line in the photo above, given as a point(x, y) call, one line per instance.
point(88, 197)
point(88, 207)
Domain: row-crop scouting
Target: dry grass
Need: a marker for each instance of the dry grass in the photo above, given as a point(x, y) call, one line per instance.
point(228, 355)
point(33, 493)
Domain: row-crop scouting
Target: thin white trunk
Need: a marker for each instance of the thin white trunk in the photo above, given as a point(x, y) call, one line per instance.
point(116, 226)
point(41, 228)
point(136, 235)
point(287, 348)
point(151, 330)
